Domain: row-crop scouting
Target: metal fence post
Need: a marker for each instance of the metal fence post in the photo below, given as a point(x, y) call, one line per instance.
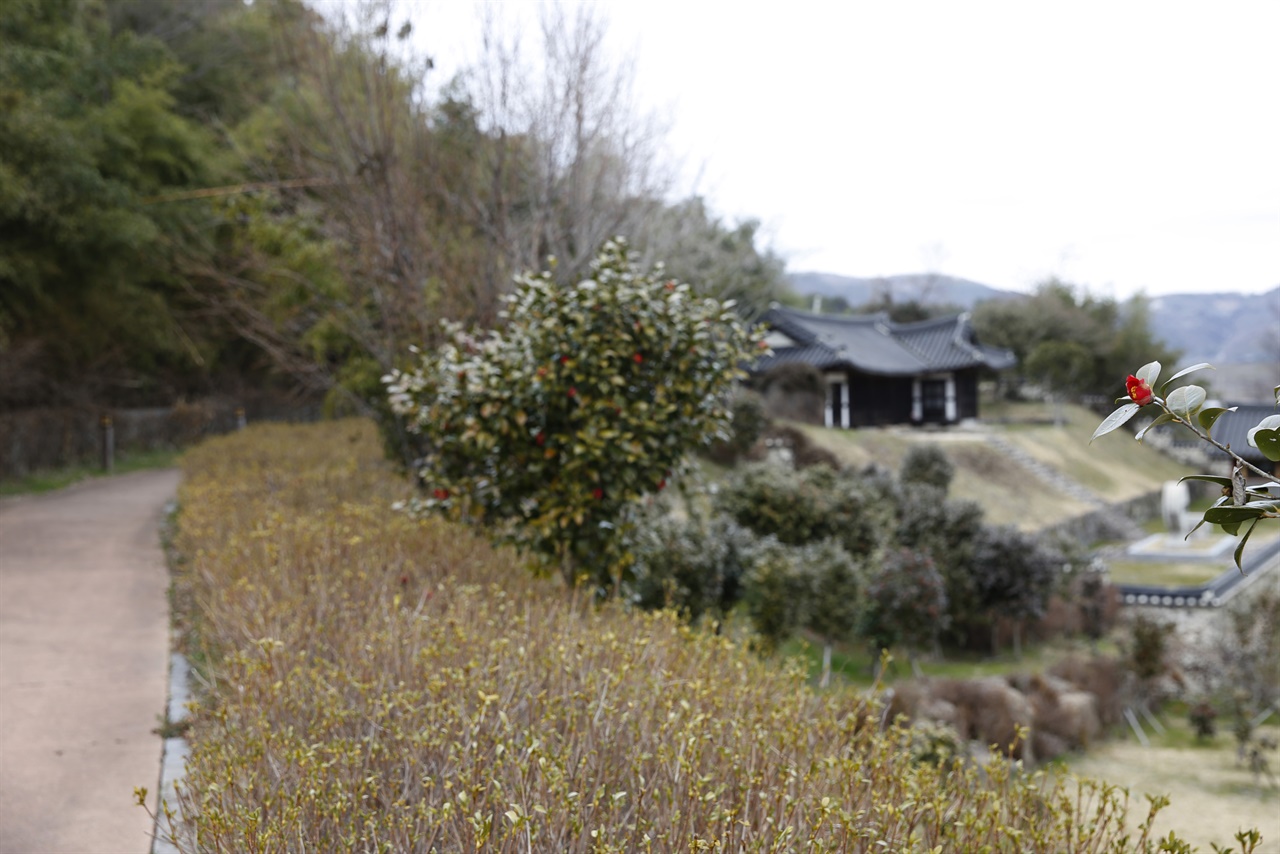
point(108, 444)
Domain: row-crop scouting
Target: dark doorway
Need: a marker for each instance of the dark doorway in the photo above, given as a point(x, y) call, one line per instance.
point(933, 399)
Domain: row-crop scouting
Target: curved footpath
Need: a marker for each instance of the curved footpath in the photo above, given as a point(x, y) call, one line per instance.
point(84, 654)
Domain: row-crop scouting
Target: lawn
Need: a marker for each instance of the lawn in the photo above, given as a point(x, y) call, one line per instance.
point(853, 664)
point(51, 479)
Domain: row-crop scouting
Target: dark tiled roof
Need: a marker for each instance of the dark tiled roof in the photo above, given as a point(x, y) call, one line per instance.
point(874, 344)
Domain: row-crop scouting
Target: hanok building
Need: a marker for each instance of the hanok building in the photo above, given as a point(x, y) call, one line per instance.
point(879, 372)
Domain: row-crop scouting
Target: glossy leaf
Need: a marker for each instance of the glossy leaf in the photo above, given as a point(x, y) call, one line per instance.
point(1268, 441)
point(1162, 418)
point(1149, 372)
point(1118, 418)
point(1232, 514)
point(1186, 401)
point(1209, 417)
point(1239, 552)
point(1182, 373)
point(1224, 482)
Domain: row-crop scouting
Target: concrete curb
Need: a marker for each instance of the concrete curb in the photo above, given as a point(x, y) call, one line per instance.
point(173, 759)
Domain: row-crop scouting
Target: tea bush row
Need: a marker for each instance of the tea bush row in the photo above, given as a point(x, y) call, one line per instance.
point(373, 683)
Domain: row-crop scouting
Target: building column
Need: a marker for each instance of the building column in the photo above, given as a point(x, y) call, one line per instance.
point(917, 401)
point(951, 399)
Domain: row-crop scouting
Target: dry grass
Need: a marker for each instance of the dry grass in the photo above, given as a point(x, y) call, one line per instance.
point(375, 684)
point(1114, 466)
point(1211, 796)
point(1008, 493)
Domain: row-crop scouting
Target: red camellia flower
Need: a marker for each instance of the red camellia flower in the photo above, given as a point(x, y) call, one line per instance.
point(540, 438)
point(573, 392)
point(564, 360)
point(440, 494)
point(637, 358)
point(597, 493)
point(1139, 390)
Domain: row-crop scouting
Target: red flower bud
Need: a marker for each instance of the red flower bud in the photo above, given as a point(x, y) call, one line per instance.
point(637, 358)
point(540, 438)
point(597, 493)
point(1139, 390)
point(573, 392)
point(440, 494)
point(564, 360)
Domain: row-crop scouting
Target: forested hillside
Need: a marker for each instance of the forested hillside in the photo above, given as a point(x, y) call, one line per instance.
point(199, 194)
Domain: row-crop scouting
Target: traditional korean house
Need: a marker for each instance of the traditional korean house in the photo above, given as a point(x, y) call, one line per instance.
point(879, 372)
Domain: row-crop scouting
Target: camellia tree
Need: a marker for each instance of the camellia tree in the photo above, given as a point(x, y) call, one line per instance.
point(549, 430)
point(1240, 503)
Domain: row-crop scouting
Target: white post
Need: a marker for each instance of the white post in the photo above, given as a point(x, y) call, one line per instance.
point(951, 398)
point(917, 401)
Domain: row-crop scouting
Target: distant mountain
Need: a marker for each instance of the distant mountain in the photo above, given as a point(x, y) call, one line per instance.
point(1221, 328)
point(933, 288)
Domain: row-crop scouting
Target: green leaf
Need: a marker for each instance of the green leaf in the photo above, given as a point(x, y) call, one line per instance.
point(1268, 441)
point(1182, 373)
point(1232, 514)
point(1119, 417)
point(1240, 548)
point(1186, 401)
point(1222, 481)
point(1208, 417)
point(1162, 418)
point(1149, 372)
point(1232, 528)
point(1218, 503)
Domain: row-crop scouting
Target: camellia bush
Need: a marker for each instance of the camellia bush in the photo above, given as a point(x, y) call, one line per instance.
point(1240, 504)
point(549, 430)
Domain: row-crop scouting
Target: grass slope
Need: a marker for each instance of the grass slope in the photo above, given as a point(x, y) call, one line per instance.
point(1114, 467)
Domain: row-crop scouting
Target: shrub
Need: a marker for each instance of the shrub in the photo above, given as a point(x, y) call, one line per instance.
point(906, 602)
point(549, 431)
point(927, 464)
point(794, 391)
point(1014, 575)
point(747, 424)
point(691, 565)
point(946, 529)
point(778, 594)
point(836, 584)
point(805, 453)
point(373, 683)
point(803, 507)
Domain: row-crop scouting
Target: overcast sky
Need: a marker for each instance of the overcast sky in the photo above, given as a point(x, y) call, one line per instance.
point(1124, 146)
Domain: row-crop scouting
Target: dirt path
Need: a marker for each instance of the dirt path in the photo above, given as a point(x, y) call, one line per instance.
point(83, 658)
point(1210, 797)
